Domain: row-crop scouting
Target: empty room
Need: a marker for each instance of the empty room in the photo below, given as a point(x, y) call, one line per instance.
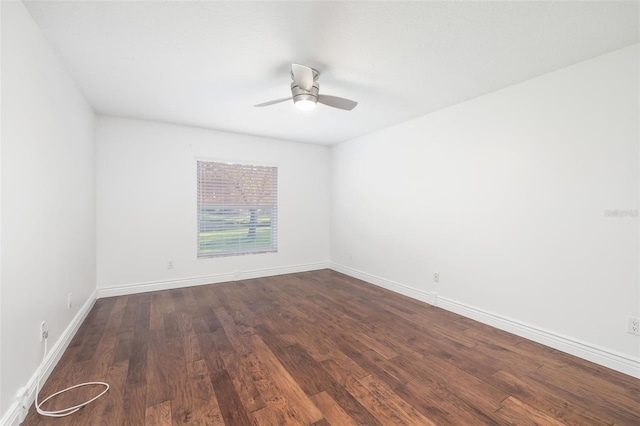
point(319, 213)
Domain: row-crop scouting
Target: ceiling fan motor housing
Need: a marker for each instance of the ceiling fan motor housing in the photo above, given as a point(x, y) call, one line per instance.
point(305, 95)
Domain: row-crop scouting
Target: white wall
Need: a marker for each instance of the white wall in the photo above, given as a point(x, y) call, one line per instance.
point(48, 198)
point(146, 181)
point(505, 197)
point(1, 410)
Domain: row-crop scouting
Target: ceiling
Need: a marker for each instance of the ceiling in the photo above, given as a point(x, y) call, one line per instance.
point(206, 63)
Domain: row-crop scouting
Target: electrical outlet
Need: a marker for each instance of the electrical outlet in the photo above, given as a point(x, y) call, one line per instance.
point(169, 264)
point(69, 301)
point(42, 330)
point(633, 325)
point(436, 277)
point(23, 394)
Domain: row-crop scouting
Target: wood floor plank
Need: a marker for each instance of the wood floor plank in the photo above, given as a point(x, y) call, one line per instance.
point(206, 410)
point(177, 376)
point(191, 345)
point(122, 349)
point(159, 414)
point(375, 403)
point(110, 408)
point(540, 397)
point(295, 360)
point(299, 406)
point(179, 302)
point(171, 328)
point(94, 328)
point(134, 405)
point(156, 315)
point(157, 380)
point(319, 348)
point(238, 335)
point(138, 354)
point(269, 416)
point(437, 403)
point(597, 400)
point(584, 383)
point(331, 410)
point(515, 412)
point(246, 374)
point(143, 313)
point(380, 391)
point(167, 303)
point(231, 407)
point(465, 385)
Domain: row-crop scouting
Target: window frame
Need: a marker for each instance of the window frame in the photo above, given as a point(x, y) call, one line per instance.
point(271, 205)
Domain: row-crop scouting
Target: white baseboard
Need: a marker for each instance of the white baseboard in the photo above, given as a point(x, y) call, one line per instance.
point(602, 356)
point(144, 287)
point(414, 293)
point(15, 413)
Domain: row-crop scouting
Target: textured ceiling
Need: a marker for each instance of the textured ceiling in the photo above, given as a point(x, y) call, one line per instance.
point(206, 64)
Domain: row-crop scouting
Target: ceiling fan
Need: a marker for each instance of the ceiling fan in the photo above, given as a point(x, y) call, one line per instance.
point(304, 91)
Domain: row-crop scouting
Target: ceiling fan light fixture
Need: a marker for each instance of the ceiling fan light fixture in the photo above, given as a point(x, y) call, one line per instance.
point(305, 104)
point(305, 100)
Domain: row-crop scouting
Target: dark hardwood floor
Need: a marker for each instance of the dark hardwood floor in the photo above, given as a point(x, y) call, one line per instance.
point(320, 348)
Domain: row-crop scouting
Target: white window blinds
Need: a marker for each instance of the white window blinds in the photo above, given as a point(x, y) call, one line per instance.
point(237, 209)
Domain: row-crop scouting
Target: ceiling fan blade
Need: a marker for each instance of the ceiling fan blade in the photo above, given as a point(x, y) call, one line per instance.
point(275, 101)
point(303, 76)
point(337, 102)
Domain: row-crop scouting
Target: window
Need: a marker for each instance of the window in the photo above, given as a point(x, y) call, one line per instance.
point(237, 209)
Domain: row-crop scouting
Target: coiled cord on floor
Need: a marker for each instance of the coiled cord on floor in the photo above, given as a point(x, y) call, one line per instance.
point(65, 411)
